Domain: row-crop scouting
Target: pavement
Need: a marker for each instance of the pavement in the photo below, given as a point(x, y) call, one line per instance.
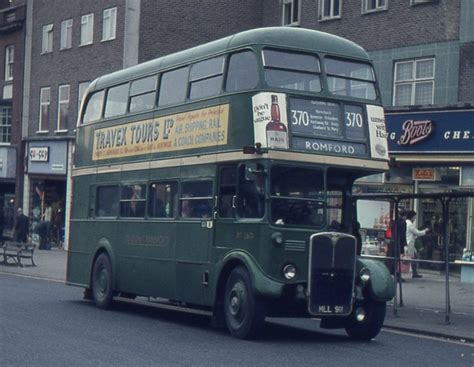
point(423, 310)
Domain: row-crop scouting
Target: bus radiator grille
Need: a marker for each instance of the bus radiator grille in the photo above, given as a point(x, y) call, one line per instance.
point(331, 273)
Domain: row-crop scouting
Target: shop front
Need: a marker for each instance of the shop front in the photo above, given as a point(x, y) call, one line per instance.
point(432, 151)
point(46, 190)
point(7, 188)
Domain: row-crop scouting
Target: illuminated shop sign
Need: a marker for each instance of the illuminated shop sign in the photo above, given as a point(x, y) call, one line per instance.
point(431, 132)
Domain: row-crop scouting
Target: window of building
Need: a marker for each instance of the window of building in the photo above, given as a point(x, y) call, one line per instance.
point(109, 24)
point(63, 107)
point(196, 199)
point(93, 110)
point(87, 29)
point(206, 78)
point(329, 9)
point(5, 124)
point(143, 94)
point(45, 101)
point(9, 57)
point(80, 93)
point(133, 201)
point(107, 201)
point(418, 2)
point(290, 12)
point(292, 70)
point(242, 72)
point(173, 86)
point(414, 82)
point(162, 199)
point(47, 45)
point(116, 103)
point(369, 6)
point(66, 34)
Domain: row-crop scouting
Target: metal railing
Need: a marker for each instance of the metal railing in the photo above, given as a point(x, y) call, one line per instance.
point(445, 199)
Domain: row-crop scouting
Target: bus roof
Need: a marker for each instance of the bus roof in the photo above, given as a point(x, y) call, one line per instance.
point(286, 37)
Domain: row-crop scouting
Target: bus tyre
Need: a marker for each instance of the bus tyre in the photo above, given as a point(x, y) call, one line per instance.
point(102, 281)
point(244, 313)
point(372, 323)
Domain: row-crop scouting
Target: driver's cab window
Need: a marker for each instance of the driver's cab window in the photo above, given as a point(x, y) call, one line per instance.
point(251, 191)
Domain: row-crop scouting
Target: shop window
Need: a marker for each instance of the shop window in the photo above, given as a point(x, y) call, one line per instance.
point(196, 199)
point(162, 200)
point(132, 201)
point(107, 201)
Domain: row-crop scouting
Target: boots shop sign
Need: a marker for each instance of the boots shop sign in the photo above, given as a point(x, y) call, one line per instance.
point(431, 132)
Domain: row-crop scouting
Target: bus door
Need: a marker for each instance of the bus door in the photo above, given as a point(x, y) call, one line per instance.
point(240, 208)
point(194, 234)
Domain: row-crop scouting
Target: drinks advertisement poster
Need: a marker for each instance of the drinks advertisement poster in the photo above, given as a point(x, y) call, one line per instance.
point(270, 120)
point(377, 132)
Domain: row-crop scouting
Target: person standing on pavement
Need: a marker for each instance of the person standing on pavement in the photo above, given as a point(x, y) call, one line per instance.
point(21, 228)
point(2, 225)
point(412, 234)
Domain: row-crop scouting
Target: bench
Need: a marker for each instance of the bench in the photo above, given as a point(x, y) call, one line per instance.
point(18, 251)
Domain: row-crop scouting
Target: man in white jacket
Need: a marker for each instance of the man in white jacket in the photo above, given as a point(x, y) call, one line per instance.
point(412, 234)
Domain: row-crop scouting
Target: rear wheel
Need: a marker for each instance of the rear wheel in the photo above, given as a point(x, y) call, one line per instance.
point(102, 281)
point(244, 312)
point(370, 326)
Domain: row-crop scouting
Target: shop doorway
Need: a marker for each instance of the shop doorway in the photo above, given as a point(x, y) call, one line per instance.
point(47, 212)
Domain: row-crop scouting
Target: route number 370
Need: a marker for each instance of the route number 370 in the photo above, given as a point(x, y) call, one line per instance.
point(354, 119)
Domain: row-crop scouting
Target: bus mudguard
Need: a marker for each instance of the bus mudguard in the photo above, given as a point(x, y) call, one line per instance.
point(262, 284)
point(382, 287)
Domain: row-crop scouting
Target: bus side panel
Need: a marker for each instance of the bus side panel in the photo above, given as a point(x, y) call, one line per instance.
point(145, 254)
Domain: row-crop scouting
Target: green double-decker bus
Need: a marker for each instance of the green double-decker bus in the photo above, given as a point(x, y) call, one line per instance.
point(220, 177)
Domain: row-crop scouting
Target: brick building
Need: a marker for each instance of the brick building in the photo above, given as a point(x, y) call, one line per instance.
point(423, 52)
point(12, 28)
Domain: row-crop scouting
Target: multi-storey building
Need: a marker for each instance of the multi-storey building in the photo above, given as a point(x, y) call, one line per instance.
point(423, 52)
point(12, 27)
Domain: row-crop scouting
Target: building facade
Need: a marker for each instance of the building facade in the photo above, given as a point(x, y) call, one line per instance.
point(423, 52)
point(12, 35)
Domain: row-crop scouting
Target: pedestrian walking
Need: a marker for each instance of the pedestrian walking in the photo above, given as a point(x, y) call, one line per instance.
point(21, 228)
point(412, 233)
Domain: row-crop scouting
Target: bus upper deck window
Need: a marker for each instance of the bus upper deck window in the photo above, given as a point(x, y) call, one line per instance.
point(292, 70)
point(350, 78)
point(173, 87)
point(242, 72)
point(143, 94)
point(206, 78)
point(116, 103)
point(93, 110)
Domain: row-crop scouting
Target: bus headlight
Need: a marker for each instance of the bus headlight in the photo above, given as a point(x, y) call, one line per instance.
point(289, 271)
point(364, 275)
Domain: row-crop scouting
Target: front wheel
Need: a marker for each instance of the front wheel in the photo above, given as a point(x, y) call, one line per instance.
point(102, 281)
point(244, 312)
point(370, 326)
